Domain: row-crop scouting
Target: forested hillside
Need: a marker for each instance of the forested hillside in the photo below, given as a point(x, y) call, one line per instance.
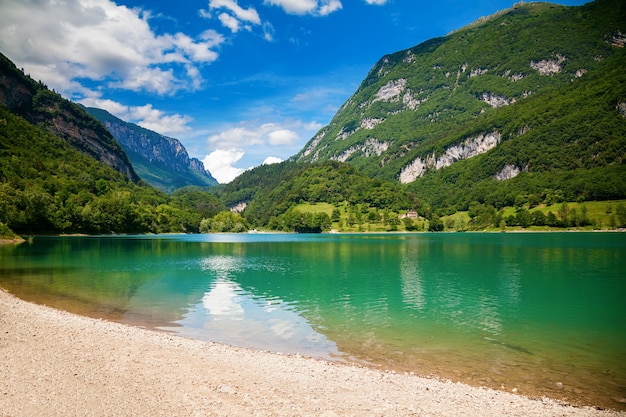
point(61, 171)
point(270, 193)
point(46, 186)
point(66, 120)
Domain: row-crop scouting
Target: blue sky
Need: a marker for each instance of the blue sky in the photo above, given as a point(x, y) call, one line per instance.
point(238, 82)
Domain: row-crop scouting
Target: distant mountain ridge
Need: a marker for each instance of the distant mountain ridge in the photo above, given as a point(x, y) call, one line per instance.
point(531, 92)
point(161, 161)
point(34, 102)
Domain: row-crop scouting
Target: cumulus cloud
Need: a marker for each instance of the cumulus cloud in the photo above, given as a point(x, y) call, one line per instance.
point(220, 164)
point(259, 140)
point(234, 17)
point(271, 160)
point(237, 136)
point(282, 137)
point(376, 2)
point(302, 7)
point(156, 120)
point(329, 7)
point(248, 15)
point(229, 22)
point(145, 116)
point(248, 134)
point(100, 41)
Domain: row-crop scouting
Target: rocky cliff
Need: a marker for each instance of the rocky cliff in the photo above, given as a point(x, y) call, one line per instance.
point(160, 160)
point(64, 119)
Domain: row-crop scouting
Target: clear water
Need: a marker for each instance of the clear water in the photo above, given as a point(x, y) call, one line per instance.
point(544, 313)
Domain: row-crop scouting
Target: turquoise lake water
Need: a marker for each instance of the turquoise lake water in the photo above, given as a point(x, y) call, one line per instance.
point(544, 313)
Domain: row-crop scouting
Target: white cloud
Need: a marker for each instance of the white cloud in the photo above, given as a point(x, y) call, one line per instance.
point(256, 140)
point(282, 137)
point(330, 6)
point(295, 6)
point(302, 7)
point(229, 22)
point(376, 2)
point(271, 160)
point(158, 121)
point(237, 136)
point(235, 15)
point(220, 164)
point(248, 134)
point(248, 15)
point(211, 38)
point(268, 32)
point(113, 107)
point(61, 42)
point(196, 51)
point(150, 79)
point(145, 116)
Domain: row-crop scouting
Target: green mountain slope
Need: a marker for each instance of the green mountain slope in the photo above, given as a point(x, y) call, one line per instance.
point(269, 192)
point(46, 186)
point(61, 171)
point(159, 160)
point(66, 120)
point(530, 100)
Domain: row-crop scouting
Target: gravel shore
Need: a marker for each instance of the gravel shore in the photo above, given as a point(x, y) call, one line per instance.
point(59, 364)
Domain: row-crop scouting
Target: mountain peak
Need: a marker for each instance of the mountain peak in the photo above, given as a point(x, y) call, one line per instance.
point(161, 161)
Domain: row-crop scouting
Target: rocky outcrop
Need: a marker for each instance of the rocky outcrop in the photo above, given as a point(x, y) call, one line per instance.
point(496, 101)
point(548, 66)
point(239, 207)
point(313, 144)
point(371, 123)
point(507, 172)
point(467, 149)
point(369, 148)
point(160, 160)
point(617, 39)
point(390, 91)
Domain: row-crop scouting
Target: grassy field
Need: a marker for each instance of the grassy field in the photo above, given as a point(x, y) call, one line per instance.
point(600, 215)
point(351, 221)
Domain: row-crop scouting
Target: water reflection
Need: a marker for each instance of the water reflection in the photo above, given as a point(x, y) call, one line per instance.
point(412, 288)
point(230, 314)
point(224, 300)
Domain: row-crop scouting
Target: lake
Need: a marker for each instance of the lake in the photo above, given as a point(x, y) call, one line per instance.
point(541, 314)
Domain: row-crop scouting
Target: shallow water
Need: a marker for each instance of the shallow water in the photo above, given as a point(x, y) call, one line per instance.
point(542, 313)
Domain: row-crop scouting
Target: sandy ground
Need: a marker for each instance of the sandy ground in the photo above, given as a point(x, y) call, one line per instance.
point(58, 364)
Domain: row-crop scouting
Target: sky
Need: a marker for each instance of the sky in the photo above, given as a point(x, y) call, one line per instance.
point(239, 82)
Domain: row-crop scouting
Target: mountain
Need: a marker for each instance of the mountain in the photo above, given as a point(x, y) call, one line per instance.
point(66, 120)
point(61, 171)
point(159, 160)
point(47, 186)
point(528, 102)
point(270, 195)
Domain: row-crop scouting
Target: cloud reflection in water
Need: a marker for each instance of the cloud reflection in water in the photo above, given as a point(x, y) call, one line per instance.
point(233, 315)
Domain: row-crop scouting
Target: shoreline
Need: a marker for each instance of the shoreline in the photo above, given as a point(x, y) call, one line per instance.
point(20, 239)
point(58, 363)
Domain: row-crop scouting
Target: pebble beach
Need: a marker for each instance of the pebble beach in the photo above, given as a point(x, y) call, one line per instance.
point(59, 364)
